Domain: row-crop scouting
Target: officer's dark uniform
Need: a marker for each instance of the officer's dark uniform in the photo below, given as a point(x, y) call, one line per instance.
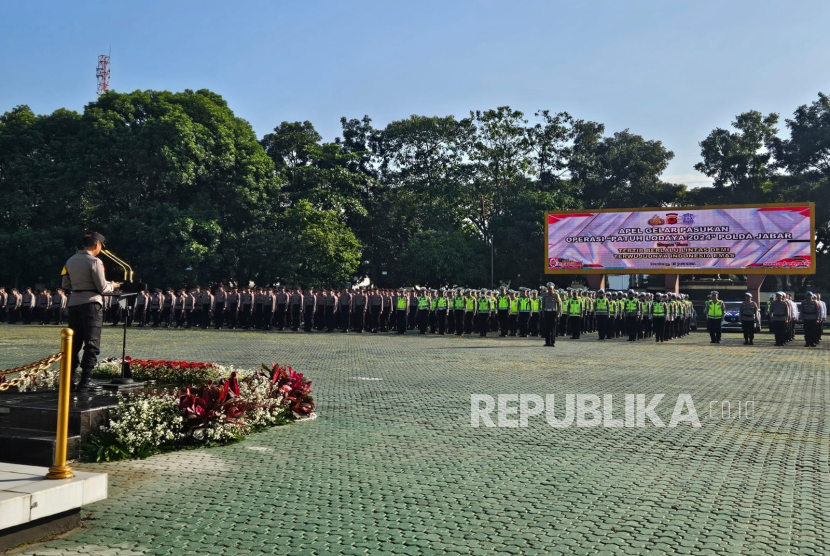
point(83, 275)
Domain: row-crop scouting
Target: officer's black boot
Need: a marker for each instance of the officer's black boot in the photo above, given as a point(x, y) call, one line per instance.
point(86, 384)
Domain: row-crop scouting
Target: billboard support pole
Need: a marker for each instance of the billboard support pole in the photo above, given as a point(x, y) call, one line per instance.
point(753, 286)
point(595, 281)
point(672, 283)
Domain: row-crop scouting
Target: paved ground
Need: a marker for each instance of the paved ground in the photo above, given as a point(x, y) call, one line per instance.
point(392, 466)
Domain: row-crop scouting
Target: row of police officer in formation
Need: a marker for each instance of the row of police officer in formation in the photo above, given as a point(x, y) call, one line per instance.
point(547, 312)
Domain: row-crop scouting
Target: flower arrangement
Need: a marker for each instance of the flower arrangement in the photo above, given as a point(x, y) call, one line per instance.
point(210, 413)
point(160, 370)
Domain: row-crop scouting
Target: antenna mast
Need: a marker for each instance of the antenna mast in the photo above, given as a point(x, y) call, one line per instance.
point(102, 73)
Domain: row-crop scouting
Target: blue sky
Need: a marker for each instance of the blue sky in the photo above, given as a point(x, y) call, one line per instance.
point(667, 70)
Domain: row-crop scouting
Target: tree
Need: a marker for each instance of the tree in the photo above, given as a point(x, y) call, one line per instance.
point(314, 247)
point(39, 178)
point(183, 165)
point(739, 161)
point(619, 171)
point(806, 157)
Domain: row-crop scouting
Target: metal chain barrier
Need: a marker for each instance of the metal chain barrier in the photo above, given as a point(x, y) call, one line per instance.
point(27, 372)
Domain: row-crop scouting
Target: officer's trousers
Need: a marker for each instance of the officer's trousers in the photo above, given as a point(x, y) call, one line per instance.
point(811, 327)
point(631, 324)
point(281, 310)
point(401, 318)
point(714, 328)
point(659, 325)
point(602, 326)
point(295, 317)
point(468, 322)
point(550, 322)
point(308, 319)
point(524, 320)
point(359, 317)
point(748, 327)
point(459, 322)
point(503, 322)
point(441, 317)
point(574, 326)
point(219, 315)
point(345, 318)
point(329, 318)
point(483, 319)
point(423, 320)
point(165, 317)
point(374, 318)
point(267, 316)
point(85, 321)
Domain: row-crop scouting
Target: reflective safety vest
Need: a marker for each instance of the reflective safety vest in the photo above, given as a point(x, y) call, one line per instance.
point(647, 307)
point(402, 304)
point(504, 302)
point(459, 303)
point(535, 302)
point(470, 303)
point(715, 309)
point(574, 307)
point(483, 305)
point(602, 306)
point(658, 309)
point(632, 307)
point(514, 306)
point(525, 305)
point(433, 303)
point(423, 302)
point(441, 302)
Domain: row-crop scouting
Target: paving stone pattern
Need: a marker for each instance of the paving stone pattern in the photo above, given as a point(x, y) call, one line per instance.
point(392, 466)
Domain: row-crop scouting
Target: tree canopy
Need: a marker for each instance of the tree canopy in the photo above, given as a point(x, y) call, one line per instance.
point(187, 193)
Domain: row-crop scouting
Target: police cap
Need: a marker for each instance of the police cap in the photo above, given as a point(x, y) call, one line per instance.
point(94, 236)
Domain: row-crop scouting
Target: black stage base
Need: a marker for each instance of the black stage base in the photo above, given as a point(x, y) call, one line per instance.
point(39, 529)
point(29, 421)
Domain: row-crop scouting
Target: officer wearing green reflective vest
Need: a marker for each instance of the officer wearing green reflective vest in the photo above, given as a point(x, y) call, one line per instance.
point(602, 311)
point(503, 310)
point(483, 313)
point(442, 305)
point(459, 308)
point(470, 311)
point(659, 309)
point(525, 310)
point(513, 314)
point(573, 307)
point(423, 311)
point(401, 306)
point(714, 317)
point(433, 307)
point(632, 315)
point(536, 304)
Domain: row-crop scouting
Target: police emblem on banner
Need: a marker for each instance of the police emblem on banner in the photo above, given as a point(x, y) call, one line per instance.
point(688, 219)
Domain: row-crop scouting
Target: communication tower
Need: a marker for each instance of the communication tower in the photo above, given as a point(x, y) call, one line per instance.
point(102, 73)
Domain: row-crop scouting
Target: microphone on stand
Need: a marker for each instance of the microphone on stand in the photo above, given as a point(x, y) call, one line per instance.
point(129, 289)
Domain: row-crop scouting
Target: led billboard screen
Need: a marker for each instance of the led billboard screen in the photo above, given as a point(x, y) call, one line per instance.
point(756, 239)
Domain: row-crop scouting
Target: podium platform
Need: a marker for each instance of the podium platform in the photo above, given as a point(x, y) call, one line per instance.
point(28, 424)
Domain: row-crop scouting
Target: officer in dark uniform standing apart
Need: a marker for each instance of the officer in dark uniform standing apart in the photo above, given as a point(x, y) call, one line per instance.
point(83, 275)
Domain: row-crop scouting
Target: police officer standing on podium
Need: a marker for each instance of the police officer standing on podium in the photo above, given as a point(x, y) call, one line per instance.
point(83, 275)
